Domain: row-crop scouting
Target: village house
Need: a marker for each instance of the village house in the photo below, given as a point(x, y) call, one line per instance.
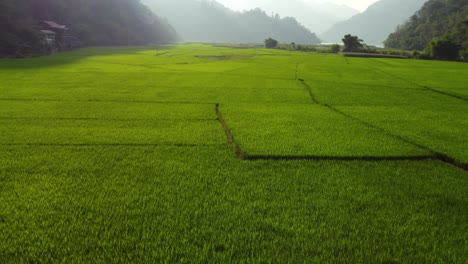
point(48, 36)
point(58, 29)
point(57, 36)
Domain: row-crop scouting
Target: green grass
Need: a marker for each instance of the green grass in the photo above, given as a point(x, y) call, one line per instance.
point(118, 155)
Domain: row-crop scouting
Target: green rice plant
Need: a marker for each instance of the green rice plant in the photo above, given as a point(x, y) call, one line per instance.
point(118, 155)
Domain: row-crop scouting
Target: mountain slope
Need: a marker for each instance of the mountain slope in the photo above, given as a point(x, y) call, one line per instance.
point(314, 15)
point(209, 21)
point(376, 23)
point(104, 22)
point(436, 18)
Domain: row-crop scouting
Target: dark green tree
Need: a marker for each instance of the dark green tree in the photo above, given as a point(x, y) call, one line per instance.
point(271, 43)
point(352, 43)
point(444, 48)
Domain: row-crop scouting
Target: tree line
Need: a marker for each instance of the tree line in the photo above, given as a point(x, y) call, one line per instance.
point(103, 22)
point(440, 28)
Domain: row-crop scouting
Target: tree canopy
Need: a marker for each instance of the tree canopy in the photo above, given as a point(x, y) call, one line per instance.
point(271, 43)
point(352, 43)
point(435, 19)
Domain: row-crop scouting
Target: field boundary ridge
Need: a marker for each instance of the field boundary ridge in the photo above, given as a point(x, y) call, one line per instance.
point(227, 131)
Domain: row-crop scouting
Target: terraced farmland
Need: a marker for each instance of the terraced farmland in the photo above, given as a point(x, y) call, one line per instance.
point(196, 154)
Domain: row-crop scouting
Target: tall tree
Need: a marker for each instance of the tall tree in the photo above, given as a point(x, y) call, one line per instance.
point(352, 43)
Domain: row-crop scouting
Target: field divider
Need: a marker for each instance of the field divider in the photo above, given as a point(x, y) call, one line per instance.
point(106, 145)
point(309, 90)
point(435, 154)
point(341, 158)
point(427, 88)
point(108, 119)
point(232, 142)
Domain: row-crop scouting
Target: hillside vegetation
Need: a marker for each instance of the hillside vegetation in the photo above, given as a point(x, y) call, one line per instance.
point(104, 22)
point(435, 19)
point(209, 21)
point(376, 23)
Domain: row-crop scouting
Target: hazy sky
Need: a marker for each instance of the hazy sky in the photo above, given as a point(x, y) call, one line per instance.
point(360, 5)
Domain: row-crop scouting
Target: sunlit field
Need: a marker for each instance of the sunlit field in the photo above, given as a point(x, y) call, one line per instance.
point(200, 154)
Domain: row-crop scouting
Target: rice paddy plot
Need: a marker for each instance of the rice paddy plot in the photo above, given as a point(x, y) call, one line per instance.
point(171, 204)
point(441, 130)
point(289, 130)
point(118, 155)
point(319, 68)
point(353, 94)
point(108, 123)
point(119, 110)
point(449, 77)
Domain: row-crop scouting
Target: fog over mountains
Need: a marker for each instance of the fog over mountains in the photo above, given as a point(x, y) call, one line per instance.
point(209, 21)
point(376, 23)
point(315, 15)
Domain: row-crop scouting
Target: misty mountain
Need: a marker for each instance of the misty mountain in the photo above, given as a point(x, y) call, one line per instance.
point(376, 23)
point(435, 19)
point(210, 21)
point(104, 22)
point(316, 16)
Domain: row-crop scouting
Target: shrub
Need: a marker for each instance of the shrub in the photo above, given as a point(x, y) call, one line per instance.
point(444, 48)
point(335, 48)
point(271, 43)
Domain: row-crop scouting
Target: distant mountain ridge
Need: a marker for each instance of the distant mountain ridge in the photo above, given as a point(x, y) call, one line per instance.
point(435, 19)
point(376, 23)
point(315, 15)
point(210, 21)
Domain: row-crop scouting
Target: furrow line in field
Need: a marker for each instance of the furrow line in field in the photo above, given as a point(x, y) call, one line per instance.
point(161, 54)
point(107, 119)
point(228, 133)
point(435, 154)
point(309, 90)
point(103, 101)
point(426, 88)
point(341, 158)
point(445, 93)
point(106, 145)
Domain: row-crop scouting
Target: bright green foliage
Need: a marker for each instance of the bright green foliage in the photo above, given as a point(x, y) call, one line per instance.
point(117, 155)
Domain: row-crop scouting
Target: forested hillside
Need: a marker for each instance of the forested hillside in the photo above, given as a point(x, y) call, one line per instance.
point(103, 22)
point(435, 19)
point(376, 23)
point(209, 21)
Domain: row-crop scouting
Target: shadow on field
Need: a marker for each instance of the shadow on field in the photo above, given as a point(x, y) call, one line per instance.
point(70, 57)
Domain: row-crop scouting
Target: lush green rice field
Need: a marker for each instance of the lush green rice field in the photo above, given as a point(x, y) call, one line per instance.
point(199, 154)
